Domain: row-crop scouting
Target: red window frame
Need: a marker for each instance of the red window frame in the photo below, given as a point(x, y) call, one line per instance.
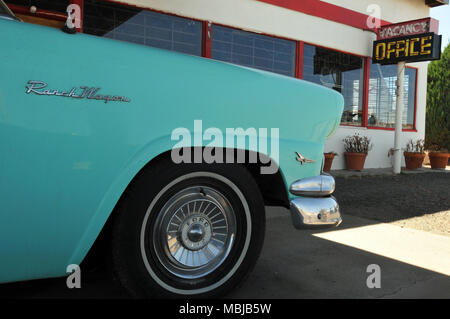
point(342, 15)
point(207, 39)
point(299, 60)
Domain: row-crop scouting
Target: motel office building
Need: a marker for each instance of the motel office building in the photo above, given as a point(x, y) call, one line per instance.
point(327, 42)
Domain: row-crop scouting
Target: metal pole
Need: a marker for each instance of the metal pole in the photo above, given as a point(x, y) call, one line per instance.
point(398, 118)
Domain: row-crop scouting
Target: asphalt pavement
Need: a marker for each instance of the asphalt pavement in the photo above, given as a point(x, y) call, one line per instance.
point(332, 263)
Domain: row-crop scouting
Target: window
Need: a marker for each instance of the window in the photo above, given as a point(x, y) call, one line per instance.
point(382, 98)
point(142, 27)
point(341, 72)
point(253, 50)
point(50, 5)
point(49, 13)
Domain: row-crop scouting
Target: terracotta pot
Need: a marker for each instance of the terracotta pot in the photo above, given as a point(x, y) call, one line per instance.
point(328, 161)
point(413, 160)
point(355, 161)
point(438, 160)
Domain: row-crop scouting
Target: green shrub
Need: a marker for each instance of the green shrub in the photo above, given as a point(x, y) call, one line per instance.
point(437, 128)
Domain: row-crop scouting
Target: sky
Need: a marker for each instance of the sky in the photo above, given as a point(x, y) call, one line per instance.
point(442, 13)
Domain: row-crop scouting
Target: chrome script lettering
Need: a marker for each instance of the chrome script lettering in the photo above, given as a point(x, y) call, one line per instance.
point(37, 87)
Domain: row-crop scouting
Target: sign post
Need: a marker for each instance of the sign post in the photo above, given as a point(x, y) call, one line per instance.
point(410, 41)
point(398, 117)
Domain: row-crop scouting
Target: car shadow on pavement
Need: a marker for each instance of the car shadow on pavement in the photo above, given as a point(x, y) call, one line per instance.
point(301, 264)
point(95, 284)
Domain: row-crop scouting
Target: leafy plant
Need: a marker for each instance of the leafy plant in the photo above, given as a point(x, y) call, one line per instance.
point(331, 152)
point(357, 144)
point(437, 124)
point(435, 148)
point(417, 146)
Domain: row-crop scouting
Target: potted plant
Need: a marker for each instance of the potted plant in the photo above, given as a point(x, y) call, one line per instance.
point(438, 156)
point(329, 156)
point(356, 149)
point(414, 154)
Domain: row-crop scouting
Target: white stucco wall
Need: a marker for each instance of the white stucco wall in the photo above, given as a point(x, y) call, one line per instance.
point(256, 16)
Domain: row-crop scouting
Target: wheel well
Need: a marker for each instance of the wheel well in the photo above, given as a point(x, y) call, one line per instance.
point(271, 186)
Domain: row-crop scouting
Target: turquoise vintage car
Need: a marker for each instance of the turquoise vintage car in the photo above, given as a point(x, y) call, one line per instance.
point(92, 131)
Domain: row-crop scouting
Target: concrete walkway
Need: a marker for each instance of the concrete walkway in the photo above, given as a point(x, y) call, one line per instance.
point(414, 247)
point(333, 263)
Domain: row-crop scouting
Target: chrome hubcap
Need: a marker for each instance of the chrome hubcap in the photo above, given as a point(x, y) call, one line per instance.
point(194, 232)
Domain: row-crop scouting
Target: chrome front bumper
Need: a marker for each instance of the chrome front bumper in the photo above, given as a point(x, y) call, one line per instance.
point(315, 207)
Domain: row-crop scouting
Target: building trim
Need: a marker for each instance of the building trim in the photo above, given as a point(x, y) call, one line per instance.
point(391, 129)
point(326, 11)
point(207, 39)
point(366, 83)
point(415, 96)
point(299, 60)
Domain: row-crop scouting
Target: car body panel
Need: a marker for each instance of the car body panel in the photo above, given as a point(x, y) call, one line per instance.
point(65, 162)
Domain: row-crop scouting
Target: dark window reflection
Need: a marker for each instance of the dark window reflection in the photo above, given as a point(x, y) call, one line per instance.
point(50, 5)
point(142, 27)
point(341, 72)
point(253, 50)
point(382, 97)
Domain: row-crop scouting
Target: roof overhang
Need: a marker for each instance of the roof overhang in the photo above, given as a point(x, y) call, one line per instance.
point(435, 3)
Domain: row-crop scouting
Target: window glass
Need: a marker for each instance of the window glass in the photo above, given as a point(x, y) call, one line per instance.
point(382, 98)
point(142, 27)
point(253, 50)
point(341, 72)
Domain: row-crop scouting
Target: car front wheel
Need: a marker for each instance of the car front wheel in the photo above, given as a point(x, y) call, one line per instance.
point(188, 230)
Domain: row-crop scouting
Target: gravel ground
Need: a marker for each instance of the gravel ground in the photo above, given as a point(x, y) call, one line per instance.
point(419, 201)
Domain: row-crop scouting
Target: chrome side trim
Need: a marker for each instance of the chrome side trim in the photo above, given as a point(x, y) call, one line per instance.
point(8, 14)
point(6, 17)
point(316, 186)
point(313, 213)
